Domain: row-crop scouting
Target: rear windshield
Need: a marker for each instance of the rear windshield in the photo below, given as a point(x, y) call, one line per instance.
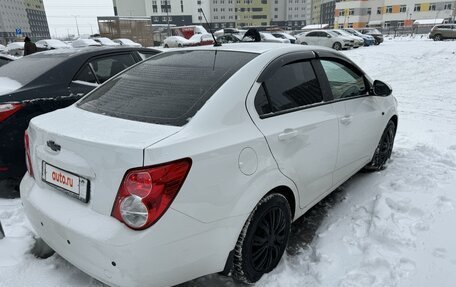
point(167, 89)
point(29, 68)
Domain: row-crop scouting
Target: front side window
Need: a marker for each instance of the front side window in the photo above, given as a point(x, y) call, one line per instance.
point(344, 81)
point(292, 86)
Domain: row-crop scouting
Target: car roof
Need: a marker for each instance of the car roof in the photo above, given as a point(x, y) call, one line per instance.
point(255, 47)
point(87, 51)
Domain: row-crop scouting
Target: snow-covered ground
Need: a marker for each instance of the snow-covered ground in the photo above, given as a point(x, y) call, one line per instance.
point(390, 228)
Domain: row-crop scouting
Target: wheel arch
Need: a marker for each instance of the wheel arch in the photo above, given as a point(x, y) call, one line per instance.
point(288, 194)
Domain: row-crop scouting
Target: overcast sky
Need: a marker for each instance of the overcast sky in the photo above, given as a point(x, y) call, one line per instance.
point(61, 15)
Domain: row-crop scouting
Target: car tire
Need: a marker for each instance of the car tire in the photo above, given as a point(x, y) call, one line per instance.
point(438, 37)
point(304, 43)
point(264, 236)
point(384, 148)
point(179, 45)
point(337, 46)
point(166, 46)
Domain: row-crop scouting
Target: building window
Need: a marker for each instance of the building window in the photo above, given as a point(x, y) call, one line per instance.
point(400, 23)
point(379, 10)
point(389, 9)
point(447, 6)
point(387, 24)
point(403, 8)
point(417, 8)
point(351, 12)
point(369, 11)
point(341, 12)
point(432, 7)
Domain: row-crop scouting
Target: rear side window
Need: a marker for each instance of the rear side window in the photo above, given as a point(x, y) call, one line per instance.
point(107, 67)
point(292, 86)
point(86, 75)
point(167, 89)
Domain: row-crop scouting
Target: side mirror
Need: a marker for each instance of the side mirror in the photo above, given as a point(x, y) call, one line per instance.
point(382, 89)
point(328, 36)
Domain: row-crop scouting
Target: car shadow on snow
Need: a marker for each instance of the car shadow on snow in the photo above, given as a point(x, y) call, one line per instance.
point(9, 188)
point(303, 232)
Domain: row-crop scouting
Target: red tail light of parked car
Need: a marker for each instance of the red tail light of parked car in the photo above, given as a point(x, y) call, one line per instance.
point(145, 194)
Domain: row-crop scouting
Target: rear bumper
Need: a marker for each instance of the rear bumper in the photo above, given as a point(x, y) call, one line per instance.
point(174, 250)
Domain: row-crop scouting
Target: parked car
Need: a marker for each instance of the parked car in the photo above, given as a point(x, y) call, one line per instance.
point(283, 35)
point(374, 33)
point(268, 37)
point(127, 42)
point(82, 43)
point(15, 49)
point(229, 38)
point(443, 31)
point(51, 44)
point(325, 38)
point(5, 59)
point(176, 42)
point(201, 40)
point(368, 39)
point(202, 157)
point(358, 41)
point(105, 41)
point(47, 81)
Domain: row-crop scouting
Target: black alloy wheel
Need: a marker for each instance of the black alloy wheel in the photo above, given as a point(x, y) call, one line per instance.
point(384, 148)
point(263, 239)
point(438, 37)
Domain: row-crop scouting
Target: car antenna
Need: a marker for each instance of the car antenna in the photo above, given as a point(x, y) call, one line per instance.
point(216, 44)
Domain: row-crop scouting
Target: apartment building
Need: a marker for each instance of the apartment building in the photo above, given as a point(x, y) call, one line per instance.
point(28, 16)
point(292, 14)
point(392, 13)
point(328, 8)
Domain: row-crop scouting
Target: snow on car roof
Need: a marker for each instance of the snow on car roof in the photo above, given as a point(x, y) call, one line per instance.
point(257, 47)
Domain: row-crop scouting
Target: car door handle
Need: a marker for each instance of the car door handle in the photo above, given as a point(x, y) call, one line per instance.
point(346, 120)
point(288, 134)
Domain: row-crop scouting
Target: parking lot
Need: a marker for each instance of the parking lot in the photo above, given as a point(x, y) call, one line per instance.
point(390, 228)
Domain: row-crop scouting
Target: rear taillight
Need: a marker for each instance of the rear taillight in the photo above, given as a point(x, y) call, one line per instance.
point(7, 110)
point(146, 193)
point(28, 158)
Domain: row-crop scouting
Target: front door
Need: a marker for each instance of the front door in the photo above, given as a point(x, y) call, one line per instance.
point(359, 117)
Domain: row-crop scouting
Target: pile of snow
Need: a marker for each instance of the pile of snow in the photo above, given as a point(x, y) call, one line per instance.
point(390, 228)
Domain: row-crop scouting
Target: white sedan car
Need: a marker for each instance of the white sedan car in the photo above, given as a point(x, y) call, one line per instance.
point(195, 162)
point(127, 42)
point(326, 39)
point(51, 44)
point(176, 42)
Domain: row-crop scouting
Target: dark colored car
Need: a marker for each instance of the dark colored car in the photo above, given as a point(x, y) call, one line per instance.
point(47, 81)
point(374, 33)
point(5, 59)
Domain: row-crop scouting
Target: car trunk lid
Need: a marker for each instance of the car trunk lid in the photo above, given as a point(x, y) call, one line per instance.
point(89, 147)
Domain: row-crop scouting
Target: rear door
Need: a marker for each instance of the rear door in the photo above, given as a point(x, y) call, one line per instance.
point(313, 38)
point(300, 128)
